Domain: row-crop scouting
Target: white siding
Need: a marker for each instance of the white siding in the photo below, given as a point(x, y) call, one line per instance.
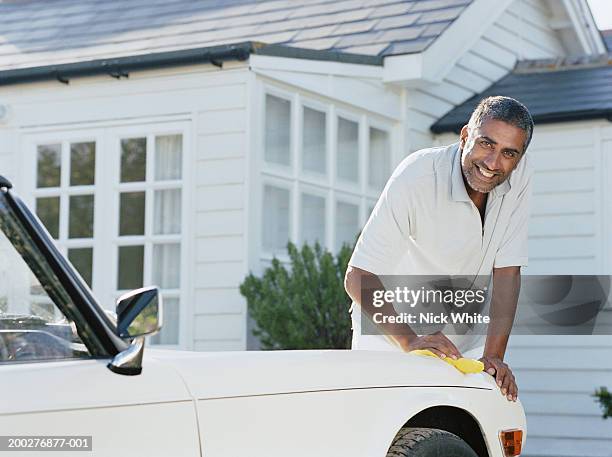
point(522, 32)
point(567, 235)
point(220, 218)
point(214, 104)
point(570, 232)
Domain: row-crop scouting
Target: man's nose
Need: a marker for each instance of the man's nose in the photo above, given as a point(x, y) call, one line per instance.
point(493, 160)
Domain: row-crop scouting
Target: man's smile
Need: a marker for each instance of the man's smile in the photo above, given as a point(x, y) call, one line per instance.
point(484, 173)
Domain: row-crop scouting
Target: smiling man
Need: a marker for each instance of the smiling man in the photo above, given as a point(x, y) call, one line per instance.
point(459, 210)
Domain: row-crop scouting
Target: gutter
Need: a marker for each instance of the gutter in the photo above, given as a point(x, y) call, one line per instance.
point(121, 67)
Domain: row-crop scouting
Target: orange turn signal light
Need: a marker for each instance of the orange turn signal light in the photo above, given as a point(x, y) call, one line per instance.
point(511, 441)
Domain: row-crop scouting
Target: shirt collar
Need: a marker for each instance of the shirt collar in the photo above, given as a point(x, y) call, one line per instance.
point(458, 190)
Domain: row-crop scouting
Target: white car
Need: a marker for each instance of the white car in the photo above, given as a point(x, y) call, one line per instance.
point(73, 379)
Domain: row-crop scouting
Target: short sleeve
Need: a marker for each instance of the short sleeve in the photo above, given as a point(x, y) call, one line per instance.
point(384, 238)
point(513, 248)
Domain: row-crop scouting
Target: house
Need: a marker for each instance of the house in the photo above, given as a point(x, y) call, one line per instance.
point(184, 143)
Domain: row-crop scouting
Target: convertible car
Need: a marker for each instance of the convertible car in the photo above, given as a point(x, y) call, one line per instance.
point(69, 370)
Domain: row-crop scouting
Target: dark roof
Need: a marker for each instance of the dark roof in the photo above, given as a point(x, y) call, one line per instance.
point(559, 90)
point(35, 33)
point(607, 36)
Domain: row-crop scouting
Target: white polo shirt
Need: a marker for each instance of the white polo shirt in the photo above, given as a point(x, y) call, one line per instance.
point(424, 223)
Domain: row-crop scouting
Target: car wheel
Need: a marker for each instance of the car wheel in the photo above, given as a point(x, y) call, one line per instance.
point(428, 442)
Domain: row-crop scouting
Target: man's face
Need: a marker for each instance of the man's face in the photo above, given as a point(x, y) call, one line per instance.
point(490, 153)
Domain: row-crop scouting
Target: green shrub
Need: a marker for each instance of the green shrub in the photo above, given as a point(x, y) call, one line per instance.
point(305, 306)
point(604, 396)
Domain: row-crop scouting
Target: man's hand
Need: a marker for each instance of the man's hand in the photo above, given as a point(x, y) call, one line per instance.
point(503, 375)
point(437, 343)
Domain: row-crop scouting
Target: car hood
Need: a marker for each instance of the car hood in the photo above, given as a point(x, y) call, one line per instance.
point(211, 375)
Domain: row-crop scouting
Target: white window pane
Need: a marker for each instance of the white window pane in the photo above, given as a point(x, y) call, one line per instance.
point(275, 218)
point(379, 160)
point(348, 150)
point(167, 265)
point(347, 223)
point(313, 219)
point(314, 141)
point(170, 324)
point(168, 157)
point(278, 131)
point(167, 211)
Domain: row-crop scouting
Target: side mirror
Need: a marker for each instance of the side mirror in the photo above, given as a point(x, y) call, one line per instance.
point(139, 313)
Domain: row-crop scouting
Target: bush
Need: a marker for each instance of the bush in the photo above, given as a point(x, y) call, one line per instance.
point(304, 307)
point(604, 396)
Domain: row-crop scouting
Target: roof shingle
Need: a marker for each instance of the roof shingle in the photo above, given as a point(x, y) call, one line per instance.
point(553, 91)
point(37, 33)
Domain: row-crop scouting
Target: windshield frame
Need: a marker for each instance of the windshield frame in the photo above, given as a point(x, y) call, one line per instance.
point(66, 288)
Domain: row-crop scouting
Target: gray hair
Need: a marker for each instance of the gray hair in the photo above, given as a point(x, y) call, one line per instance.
point(504, 109)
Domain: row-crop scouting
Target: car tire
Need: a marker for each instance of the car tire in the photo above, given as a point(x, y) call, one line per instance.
point(428, 442)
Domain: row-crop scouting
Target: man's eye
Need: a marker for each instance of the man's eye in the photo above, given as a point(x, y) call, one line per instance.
point(485, 143)
point(510, 154)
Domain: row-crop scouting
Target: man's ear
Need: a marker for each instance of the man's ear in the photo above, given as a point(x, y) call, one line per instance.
point(463, 136)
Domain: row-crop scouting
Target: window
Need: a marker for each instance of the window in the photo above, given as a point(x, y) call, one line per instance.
point(312, 219)
point(278, 131)
point(64, 198)
point(347, 165)
point(314, 144)
point(379, 159)
point(347, 223)
point(327, 195)
point(276, 218)
point(150, 180)
point(114, 203)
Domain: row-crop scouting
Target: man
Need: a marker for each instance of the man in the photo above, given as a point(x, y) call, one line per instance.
point(456, 210)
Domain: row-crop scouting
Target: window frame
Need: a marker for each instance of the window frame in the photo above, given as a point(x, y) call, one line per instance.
point(329, 186)
point(106, 194)
point(64, 190)
point(150, 132)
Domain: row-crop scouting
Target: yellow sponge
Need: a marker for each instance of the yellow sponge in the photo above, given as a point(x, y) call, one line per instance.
point(463, 365)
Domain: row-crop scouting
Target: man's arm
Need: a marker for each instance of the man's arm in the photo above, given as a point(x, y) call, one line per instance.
point(506, 288)
point(400, 334)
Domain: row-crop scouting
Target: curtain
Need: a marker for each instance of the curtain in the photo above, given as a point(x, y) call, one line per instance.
point(168, 157)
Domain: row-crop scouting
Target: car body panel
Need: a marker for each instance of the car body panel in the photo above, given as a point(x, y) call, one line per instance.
point(83, 397)
point(230, 374)
point(348, 402)
point(356, 422)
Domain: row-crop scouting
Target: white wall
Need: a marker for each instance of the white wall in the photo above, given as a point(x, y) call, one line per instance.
point(570, 232)
point(522, 32)
point(213, 104)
